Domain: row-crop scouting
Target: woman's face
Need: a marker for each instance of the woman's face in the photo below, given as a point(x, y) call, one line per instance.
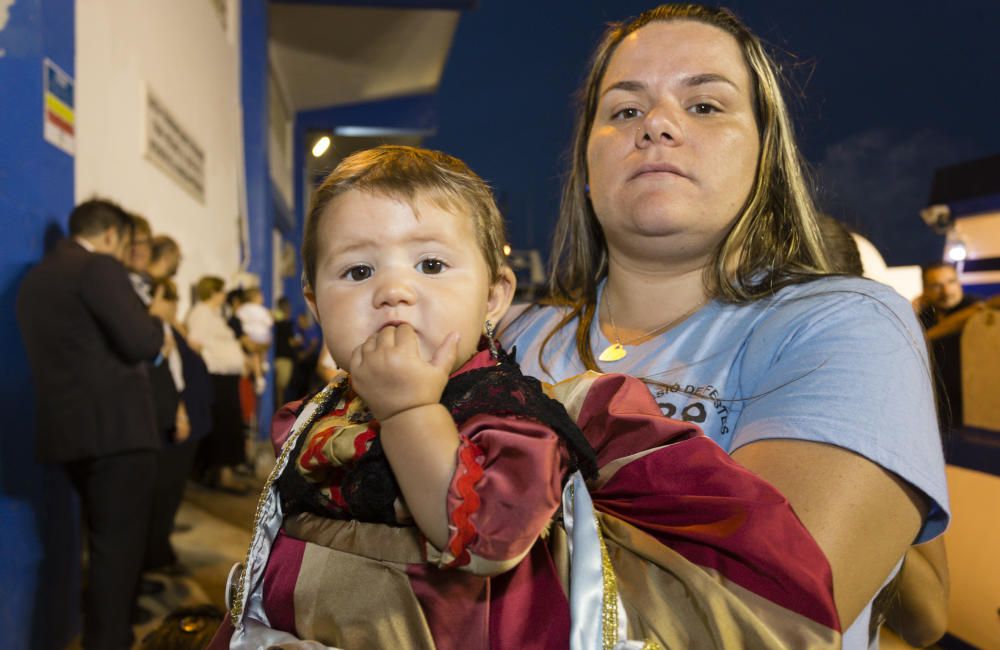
point(673, 149)
point(218, 299)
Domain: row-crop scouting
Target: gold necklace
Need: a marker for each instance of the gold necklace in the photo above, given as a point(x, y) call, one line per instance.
point(616, 351)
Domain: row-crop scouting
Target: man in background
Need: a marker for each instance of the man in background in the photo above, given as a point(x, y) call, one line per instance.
point(942, 297)
point(87, 337)
point(943, 309)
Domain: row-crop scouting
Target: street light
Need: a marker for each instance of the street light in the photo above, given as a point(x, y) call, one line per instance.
point(321, 146)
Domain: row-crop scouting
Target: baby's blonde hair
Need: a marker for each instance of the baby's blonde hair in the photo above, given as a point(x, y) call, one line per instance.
point(408, 174)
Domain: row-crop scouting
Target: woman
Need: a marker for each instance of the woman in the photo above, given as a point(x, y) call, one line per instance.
point(687, 253)
point(224, 447)
point(193, 423)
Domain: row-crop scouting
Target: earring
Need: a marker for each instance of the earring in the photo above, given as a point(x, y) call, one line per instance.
point(490, 331)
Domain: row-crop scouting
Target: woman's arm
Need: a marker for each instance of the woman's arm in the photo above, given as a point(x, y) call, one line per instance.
point(863, 517)
point(843, 424)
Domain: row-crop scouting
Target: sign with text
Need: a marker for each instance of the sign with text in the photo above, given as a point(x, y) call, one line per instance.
point(169, 147)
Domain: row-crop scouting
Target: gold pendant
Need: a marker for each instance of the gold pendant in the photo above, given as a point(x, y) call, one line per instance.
point(613, 352)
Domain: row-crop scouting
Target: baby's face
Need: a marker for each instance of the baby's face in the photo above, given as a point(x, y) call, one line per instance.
point(380, 264)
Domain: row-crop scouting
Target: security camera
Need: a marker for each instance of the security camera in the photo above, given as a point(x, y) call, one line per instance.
point(937, 216)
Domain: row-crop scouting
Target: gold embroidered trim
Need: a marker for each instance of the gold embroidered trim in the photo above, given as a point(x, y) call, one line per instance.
point(320, 401)
point(609, 609)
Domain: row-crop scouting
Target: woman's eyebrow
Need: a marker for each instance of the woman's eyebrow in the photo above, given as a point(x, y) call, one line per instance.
point(703, 78)
point(707, 78)
point(627, 85)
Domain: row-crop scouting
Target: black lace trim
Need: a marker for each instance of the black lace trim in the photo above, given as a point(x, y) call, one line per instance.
point(503, 390)
point(369, 486)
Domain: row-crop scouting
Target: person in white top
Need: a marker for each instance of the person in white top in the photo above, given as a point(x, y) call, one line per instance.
point(258, 328)
point(224, 447)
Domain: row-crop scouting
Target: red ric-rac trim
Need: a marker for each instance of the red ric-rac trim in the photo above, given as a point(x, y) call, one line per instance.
point(469, 456)
point(362, 439)
point(313, 456)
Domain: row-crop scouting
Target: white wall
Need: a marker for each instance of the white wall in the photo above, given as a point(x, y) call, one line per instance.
point(184, 55)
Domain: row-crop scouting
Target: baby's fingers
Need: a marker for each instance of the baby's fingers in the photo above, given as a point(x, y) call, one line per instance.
point(446, 353)
point(406, 337)
point(357, 358)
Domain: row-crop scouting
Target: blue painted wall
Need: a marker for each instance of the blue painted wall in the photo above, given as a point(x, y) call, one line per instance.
point(39, 529)
point(260, 200)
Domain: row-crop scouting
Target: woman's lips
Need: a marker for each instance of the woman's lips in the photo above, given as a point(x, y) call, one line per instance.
point(657, 168)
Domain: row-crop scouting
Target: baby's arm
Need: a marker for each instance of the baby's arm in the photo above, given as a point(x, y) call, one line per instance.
point(418, 434)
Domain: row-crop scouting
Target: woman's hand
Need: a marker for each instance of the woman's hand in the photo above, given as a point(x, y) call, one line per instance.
point(168, 343)
point(182, 426)
point(388, 372)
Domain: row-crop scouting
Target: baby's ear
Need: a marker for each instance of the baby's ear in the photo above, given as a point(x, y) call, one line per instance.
point(501, 294)
point(310, 296)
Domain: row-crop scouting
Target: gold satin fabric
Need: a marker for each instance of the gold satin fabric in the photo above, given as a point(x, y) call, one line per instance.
point(682, 605)
point(360, 570)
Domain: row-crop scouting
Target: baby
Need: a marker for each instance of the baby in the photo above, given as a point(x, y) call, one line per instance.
point(255, 318)
point(258, 329)
point(434, 453)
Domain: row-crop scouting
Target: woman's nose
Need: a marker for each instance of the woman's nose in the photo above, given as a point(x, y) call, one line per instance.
point(660, 125)
point(392, 288)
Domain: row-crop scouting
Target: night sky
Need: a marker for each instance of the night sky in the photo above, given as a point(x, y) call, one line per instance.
point(881, 93)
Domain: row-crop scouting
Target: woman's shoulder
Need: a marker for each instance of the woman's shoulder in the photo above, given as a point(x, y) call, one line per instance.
point(845, 288)
point(843, 299)
point(530, 320)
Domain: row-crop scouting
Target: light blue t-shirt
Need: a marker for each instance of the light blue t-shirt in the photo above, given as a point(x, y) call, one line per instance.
point(837, 360)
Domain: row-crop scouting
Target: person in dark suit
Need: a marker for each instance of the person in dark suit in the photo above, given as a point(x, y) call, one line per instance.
point(87, 335)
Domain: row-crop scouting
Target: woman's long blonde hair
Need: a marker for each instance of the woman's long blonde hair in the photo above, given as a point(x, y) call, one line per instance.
point(775, 240)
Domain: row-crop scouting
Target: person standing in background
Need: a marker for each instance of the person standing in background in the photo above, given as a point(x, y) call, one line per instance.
point(88, 339)
point(943, 309)
point(138, 256)
point(257, 325)
point(284, 349)
point(223, 448)
point(165, 258)
point(194, 421)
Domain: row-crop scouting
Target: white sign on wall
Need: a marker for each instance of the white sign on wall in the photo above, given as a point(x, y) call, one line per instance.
point(169, 147)
point(59, 117)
